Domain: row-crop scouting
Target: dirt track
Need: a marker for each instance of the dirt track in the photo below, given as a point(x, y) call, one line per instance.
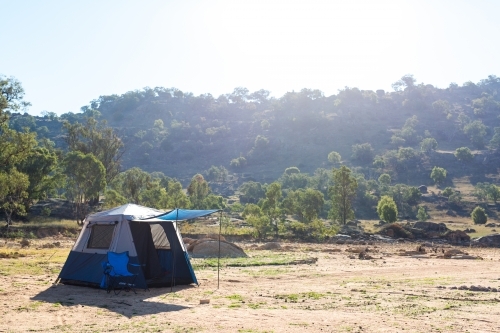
point(337, 294)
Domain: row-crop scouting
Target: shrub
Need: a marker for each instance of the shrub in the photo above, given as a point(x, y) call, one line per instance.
point(387, 209)
point(422, 214)
point(447, 192)
point(438, 175)
point(479, 216)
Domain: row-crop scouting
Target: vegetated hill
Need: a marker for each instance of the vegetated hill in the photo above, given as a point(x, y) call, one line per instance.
point(180, 134)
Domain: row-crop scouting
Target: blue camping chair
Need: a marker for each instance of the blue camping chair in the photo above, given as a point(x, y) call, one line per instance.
point(117, 277)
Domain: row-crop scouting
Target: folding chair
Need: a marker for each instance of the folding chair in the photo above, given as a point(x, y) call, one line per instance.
point(117, 277)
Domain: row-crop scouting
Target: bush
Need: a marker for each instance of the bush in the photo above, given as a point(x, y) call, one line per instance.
point(447, 192)
point(479, 216)
point(46, 211)
point(387, 209)
point(422, 214)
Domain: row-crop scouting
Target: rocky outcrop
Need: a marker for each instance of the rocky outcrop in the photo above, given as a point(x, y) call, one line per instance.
point(487, 241)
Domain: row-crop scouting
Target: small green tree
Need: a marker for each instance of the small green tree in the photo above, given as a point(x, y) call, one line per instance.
point(479, 216)
point(428, 145)
point(342, 194)
point(384, 179)
point(362, 153)
point(493, 192)
point(463, 154)
point(271, 205)
point(387, 209)
point(198, 190)
point(422, 214)
point(447, 192)
point(255, 217)
point(86, 179)
point(13, 192)
point(334, 158)
point(438, 175)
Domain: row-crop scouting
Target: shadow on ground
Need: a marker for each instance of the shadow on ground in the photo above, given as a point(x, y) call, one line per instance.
point(126, 303)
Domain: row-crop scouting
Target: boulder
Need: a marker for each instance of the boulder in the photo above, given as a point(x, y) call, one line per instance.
point(487, 241)
point(431, 226)
point(456, 236)
point(270, 246)
point(422, 189)
point(209, 248)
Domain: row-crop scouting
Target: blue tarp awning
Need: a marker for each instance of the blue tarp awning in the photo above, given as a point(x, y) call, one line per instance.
point(184, 214)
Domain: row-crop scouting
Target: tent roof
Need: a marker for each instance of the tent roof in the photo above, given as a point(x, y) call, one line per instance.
point(130, 211)
point(181, 215)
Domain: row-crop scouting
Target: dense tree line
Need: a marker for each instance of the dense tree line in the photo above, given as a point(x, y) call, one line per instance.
point(129, 143)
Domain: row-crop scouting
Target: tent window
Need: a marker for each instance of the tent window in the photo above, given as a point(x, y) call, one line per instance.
point(160, 239)
point(101, 236)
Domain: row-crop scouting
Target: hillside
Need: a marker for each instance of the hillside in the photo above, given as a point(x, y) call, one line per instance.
point(181, 134)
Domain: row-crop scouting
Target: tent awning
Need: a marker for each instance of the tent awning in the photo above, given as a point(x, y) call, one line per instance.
point(181, 215)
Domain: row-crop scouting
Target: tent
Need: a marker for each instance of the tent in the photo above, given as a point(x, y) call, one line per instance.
point(150, 236)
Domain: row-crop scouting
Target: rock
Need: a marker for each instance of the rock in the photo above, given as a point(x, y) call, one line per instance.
point(491, 225)
point(452, 252)
point(357, 250)
point(209, 248)
point(188, 240)
point(470, 230)
point(214, 236)
point(431, 226)
point(270, 246)
point(457, 236)
point(422, 189)
point(487, 241)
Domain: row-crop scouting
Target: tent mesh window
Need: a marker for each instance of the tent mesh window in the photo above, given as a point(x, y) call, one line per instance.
point(101, 236)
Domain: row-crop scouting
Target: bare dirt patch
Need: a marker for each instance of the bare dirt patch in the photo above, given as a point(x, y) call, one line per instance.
point(333, 293)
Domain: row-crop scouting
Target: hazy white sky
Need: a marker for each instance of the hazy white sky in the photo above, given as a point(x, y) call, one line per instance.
point(67, 53)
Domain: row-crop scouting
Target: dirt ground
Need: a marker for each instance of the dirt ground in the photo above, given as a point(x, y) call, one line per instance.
point(390, 293)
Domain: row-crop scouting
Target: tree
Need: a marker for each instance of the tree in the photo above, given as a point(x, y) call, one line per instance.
point(311, 204)
point(479, 216)
point(15, 146)
point(342, 194)
point(271, 205)
point(133, 182)
point(86, 177)
point(43, 172)
point(255, 217)
point(493, 192)
point(384, 179)
point(438, 175)
point(334, 158)
point(176, 196)
point(362, 153)
point(198, 190)
point(387, 209)
point(422, 214)
point(96, 138)
point(464, 154)
point(476, 131)
point(495, 141)
point(251, 192)
point(428, 145)
point(217, 174)
point(13, 192)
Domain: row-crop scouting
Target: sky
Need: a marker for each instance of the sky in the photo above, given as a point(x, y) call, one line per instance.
point(68, 53)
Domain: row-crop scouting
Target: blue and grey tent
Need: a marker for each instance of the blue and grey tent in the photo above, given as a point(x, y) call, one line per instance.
point(151, 238)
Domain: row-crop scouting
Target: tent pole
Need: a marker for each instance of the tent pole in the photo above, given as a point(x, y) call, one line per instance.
point(172, 250)
point(218, 257)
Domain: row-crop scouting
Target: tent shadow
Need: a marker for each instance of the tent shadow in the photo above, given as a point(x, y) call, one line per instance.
point(126, 303)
